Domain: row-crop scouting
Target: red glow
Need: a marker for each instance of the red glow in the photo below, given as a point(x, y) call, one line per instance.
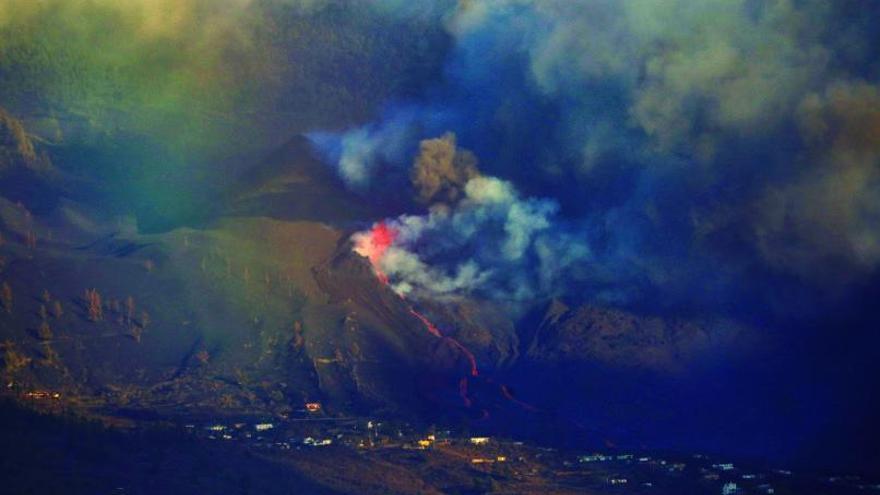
point(430, 326)
point(505, 392)
point(374, 244)
point(463, 391)
point(432, 329)
point(467, 354)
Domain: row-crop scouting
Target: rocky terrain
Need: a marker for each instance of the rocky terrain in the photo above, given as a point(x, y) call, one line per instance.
point(266, 306)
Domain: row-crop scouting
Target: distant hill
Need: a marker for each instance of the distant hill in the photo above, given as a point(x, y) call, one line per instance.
point(616, 338)
point(292, 183)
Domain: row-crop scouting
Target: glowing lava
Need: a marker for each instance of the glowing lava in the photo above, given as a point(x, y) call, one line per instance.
point(435, 332)
point(373, 245)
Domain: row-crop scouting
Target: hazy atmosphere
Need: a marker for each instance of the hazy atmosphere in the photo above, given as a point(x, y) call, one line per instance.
point(440, 246)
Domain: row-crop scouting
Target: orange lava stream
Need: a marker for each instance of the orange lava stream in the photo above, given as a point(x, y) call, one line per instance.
point(374, 245)
point(432, 329)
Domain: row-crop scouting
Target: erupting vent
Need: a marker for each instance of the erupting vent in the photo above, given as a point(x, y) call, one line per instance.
point(374, 244)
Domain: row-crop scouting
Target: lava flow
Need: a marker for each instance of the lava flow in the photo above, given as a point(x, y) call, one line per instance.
point(435, 332)
point(373, 245)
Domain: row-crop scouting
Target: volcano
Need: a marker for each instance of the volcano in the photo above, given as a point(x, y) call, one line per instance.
point(265, 307)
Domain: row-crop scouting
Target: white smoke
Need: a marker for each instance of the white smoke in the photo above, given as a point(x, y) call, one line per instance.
point(490, 242)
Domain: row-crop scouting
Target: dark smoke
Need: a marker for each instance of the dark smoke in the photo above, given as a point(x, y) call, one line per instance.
point(666, 154)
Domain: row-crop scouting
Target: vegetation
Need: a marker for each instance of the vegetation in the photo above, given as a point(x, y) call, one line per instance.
point(6, 297)
point(13, 359)
point(16, 147)
point(129, 310)
point(93, 305)
point(44, 331)
point(57, 309)
point(145, 319)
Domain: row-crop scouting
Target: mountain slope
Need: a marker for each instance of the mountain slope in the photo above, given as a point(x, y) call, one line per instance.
point(292, 183)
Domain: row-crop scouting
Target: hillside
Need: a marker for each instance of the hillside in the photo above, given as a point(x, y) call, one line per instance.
point(265, 307)
point(292, 184)
point(260, 310)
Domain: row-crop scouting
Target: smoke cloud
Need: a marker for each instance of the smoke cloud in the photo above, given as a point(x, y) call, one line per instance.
point(493, 241)
point(210, 72)
point(686, 152)
point(159, 104)
point(442, 169)
point(98, 61)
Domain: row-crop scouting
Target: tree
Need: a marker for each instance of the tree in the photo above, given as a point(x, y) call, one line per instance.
point(129, 310)
point(298, 341)
point(116, 308)
point(44, 332)
point(93, 304)
point(203, 356)
point(6, 297)
point(57, 310)
point(145, 319)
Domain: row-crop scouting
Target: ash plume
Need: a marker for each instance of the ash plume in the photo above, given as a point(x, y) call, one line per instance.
point(687, 152)
point(441, 170)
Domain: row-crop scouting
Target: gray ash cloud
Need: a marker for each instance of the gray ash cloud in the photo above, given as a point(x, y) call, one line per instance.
point(694, 153)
